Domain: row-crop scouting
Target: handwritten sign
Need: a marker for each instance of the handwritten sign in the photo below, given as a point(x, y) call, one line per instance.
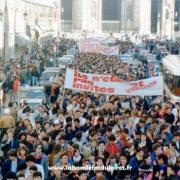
point(107, 84)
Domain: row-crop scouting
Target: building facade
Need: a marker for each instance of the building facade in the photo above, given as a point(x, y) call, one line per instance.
point(24, 21)
point(144, 16)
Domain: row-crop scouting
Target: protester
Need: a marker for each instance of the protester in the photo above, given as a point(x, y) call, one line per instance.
point(11, 164)
point(30, 159)
point(140, 135)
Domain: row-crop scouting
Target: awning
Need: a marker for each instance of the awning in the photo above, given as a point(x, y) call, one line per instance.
point(47, 36)
point(42, 3)
point(22, 40)
point(37, 28)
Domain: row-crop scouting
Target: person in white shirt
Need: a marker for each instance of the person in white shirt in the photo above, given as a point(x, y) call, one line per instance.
point(30, 160)
point(134, 118)
point(176, 111)
point(26, 113)
point(1, 93)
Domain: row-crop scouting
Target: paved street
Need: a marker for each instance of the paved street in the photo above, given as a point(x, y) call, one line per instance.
point(91, 89)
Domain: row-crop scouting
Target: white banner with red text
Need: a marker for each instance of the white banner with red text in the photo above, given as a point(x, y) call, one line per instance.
point(107, 84)
point(95, 45)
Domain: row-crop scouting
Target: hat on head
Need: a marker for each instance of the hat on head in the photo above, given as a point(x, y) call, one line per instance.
point(7, 111)
point(56, 121)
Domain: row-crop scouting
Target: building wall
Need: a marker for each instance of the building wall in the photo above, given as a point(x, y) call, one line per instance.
point(6, 24)
point(7, 30)
point(154, 16)
point(67, 13)
point(168, 17)
point(11, 11)
point(1, 28)
point(40, 14)
point(145, 17)
point(44, 13)
point(86, 15)
point(95, 16)
point(164, 17)
point(77, 15)
point(177, 15)
point(110, 10)
point(121, 15)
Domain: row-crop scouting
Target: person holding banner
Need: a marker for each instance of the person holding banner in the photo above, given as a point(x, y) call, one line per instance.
point(109, 114)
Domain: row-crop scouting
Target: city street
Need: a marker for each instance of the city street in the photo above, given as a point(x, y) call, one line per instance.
point(89, 90)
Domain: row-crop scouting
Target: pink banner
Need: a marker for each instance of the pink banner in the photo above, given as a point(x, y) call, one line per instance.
point(95, 45)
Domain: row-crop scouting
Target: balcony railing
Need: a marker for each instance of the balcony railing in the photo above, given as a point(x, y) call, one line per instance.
point(111, 26)
point(118, 26)
point(66, 26)
point(107, 26)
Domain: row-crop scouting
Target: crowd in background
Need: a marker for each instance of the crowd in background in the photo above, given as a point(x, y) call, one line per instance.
point(80, 129)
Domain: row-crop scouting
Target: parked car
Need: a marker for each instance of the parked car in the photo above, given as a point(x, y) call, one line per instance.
point(49, 75)
point(64, 61)
point(72, 52)
point(34, 95)
point(69, 56)
point(126, 57)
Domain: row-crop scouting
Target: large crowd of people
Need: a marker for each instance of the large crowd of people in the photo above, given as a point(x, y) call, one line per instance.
point(140, 135)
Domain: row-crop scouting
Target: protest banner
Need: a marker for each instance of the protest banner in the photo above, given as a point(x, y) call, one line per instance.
point(95, 45)
point(107, 84)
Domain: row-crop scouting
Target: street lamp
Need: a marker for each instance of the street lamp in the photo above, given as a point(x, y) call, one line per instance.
point(173, 19)
point(50, 18)
point(172, 23)
point(25, 15)
point(159, 26)
point(119, 23)
point(25, 19)
point(176, 21)
point(1, 15)
point(176, 14)
point(50, 21)
point(62, 13)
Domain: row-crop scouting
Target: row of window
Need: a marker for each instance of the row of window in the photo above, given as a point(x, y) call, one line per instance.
point(111, 10)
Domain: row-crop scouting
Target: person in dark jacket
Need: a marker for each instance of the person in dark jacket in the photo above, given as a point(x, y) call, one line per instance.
point(70, 133)
point(11, 163)
point(21, 168)
point(11, 142)
point(171, 173)
point(169, 116)
point(123, 161)
point(10, 175)
point(47, 147)
point(135, 162)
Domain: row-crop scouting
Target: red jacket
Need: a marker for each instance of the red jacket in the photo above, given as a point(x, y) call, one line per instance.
point(111, 148)
point(16, 84)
